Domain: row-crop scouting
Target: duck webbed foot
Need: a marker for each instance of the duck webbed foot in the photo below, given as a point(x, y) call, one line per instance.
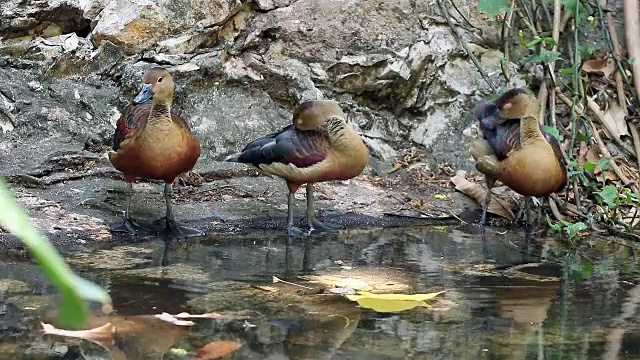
point(127, 226)
point(173, 229)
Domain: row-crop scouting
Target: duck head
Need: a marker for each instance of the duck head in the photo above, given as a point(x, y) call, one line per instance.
point(157, 85)
point(516, 103)
point(312, 113)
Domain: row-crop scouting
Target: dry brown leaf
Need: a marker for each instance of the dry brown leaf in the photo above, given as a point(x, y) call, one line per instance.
point(605, 67)
point(632, 217)
point(478, 192)
point(102, 333)
point(592, 155)
point(613, 119)
point(216, 349)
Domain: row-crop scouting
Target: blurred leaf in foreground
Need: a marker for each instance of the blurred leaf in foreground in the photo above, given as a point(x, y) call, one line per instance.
point(74, 290)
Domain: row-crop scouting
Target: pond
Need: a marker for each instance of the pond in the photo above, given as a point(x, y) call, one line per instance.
point(493, 307)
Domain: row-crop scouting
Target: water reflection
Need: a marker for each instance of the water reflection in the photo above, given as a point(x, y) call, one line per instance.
point(495, 312)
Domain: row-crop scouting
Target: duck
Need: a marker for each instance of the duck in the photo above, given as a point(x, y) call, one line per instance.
point(515, 149)
point(151, 141)
point(318, 146)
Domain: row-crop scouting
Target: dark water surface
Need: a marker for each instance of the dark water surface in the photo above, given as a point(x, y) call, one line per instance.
point(577, 308)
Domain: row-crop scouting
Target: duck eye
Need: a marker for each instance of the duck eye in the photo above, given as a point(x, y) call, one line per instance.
point(159, 79)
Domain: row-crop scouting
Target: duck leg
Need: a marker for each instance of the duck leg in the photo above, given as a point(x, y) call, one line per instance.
point(128, 225)
point(315, 224)
point(524, 211)
point(292, 230)
point(171, 226)
point(485, 206)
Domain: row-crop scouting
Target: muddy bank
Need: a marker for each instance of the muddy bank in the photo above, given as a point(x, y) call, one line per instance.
point(76, 205)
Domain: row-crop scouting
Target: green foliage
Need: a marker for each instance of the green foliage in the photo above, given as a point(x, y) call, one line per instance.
point(553, 131)
point(572, 229)
point(74, 290)
point(545, 56)
point(570, 6)
point(493, 7)
point(587, 49)
point(609, 195)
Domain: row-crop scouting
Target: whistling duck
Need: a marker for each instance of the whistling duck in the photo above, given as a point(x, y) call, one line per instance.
point(318, 146)
point(515, 149)
point(151, 141)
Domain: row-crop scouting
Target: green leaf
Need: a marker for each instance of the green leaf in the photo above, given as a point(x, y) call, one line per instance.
point(74, 290)
point(587, 49)
point(567, 71)
point(609, 195)
point(553, 131)
point(493, 7)
point(556, 227)
point(589, 167)
point(570, 6)
point(582, 137)
point(545, 56)
point(575, 228)
point(533, 42)
point(603, 163)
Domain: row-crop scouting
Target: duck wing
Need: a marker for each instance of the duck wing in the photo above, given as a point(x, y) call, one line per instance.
point(287, 146)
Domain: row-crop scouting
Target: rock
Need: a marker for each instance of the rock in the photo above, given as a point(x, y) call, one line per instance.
point(188, 43)
point(224, 117)
point(44, 18)
point(137, 25)
point(51, 119)
point(266, 5)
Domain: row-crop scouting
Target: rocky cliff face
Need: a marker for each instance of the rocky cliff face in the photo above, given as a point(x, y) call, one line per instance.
point(68, 66)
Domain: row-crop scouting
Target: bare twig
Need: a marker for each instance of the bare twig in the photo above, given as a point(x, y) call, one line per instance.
point(473, 58)
point(506, 30)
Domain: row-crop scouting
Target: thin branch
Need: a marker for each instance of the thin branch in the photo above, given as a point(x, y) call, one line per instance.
point(458, 37)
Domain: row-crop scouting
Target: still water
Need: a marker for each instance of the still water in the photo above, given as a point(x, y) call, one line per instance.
point(558, 307)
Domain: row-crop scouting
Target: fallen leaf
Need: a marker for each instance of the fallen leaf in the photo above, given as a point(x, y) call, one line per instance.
point(102, 333)
point(184, 315)
point(174, 320)
point(216, 349)
point(613, 119)
point(478, 192)
point(605, 67)
point(404, 297)
point(382, 305)
point(392, 302)
point(353, 284)
point(342, 291)
point(592, 156)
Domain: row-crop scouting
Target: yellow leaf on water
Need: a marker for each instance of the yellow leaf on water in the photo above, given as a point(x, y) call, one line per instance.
point(385, 305)
point(391, 302)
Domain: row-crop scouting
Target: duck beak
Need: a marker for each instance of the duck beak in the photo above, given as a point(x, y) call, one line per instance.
point(483, 109)
point(144, 95)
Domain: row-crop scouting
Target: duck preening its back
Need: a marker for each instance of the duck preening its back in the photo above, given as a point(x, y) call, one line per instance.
point(318, 146)
point(515, 149)
point(523, 150)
